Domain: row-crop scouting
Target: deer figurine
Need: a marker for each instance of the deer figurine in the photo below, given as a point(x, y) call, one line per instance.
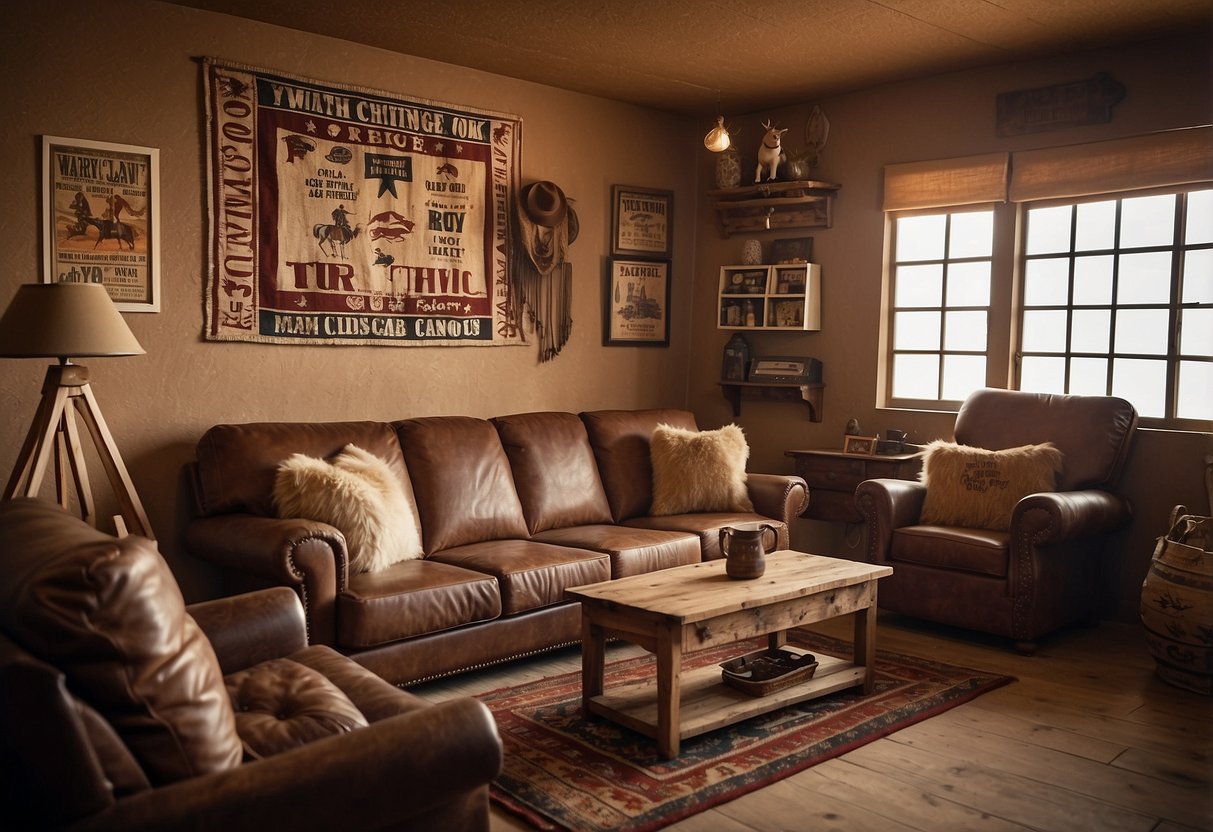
point(770, 152)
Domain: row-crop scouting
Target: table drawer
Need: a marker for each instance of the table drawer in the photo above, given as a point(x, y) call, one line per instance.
point(833, 474)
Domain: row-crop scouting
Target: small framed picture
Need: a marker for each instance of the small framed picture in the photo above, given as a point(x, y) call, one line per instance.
point(102, 218)
point(859, 445)
point(641, 222)
point(792, 250)
point(636, 309)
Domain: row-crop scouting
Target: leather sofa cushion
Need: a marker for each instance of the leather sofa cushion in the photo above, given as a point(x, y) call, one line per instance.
point(620, 439)
point(632, 551)
point(707, 527)
point(413, 598)
point(237, 463)
point(109, 614)
point(462, 481)
point(281, 705)
point(531, 575)
point(982, 551)
point(554, 470)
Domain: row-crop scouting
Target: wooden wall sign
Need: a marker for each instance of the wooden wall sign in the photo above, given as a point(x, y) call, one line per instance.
point(1059, 106)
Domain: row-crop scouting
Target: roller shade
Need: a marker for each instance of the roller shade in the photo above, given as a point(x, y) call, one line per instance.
point(1157, 160)
point(944, 182)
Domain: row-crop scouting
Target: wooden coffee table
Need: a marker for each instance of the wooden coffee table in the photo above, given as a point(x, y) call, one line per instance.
point(687, 608)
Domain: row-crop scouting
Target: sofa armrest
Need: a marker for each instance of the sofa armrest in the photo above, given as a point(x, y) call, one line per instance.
point(308, 556)
point(253, 627)
point(888, 504)
point(780, 496)
point(1054, 517)
point(371, 778)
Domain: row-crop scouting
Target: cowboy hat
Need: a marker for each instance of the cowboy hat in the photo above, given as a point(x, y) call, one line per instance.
point(545, 204)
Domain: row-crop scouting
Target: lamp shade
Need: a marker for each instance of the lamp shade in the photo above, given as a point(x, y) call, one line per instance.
point(64, 320)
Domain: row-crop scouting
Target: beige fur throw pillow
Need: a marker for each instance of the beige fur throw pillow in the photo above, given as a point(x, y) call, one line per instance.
point(359, 496)
point(699, 470)
point(977, 488)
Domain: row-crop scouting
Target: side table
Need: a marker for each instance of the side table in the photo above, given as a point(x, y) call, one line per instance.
point(833, 476)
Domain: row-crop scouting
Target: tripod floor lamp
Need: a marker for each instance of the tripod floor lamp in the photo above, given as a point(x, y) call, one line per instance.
point(65, 321)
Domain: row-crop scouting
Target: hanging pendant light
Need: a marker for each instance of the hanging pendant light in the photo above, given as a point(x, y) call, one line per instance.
point(717, 140)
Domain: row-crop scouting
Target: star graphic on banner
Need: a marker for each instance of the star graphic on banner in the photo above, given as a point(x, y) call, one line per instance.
point(311, 126)
point(467, 309)
point(459, 149)
point(437, 147)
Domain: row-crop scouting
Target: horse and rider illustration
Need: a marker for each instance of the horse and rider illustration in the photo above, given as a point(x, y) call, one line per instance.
point(337, 234)
point(109, 225)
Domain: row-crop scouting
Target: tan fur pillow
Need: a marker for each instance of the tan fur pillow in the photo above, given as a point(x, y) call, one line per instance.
point(699, 470)
point(977, 488)
point(359, 496)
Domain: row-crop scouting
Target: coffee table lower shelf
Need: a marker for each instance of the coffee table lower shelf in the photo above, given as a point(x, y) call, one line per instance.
point(707, 703)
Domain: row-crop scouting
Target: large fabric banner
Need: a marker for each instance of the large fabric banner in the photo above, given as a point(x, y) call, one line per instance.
point(350, 216)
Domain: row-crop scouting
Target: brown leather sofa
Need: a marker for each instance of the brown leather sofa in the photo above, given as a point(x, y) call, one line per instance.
point(513, 511)
point(1041, 574)
point(122, 709)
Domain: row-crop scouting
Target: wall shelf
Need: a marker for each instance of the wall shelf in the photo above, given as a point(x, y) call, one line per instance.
point(774, 206)
point(810, 394)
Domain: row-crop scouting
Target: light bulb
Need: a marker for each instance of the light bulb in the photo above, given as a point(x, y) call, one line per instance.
point(717, 140)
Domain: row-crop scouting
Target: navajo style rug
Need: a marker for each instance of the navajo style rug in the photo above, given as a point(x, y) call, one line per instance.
point(564, 771)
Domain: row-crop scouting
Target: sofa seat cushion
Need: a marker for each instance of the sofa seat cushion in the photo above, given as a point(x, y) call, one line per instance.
point(531, 574)
point(281, 704)
point(706, 527)
point(632, 551)
point(982, 551)
point(413, 598)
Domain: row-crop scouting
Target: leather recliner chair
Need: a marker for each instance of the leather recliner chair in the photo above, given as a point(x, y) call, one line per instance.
point(121, 708)
point(1042, 573)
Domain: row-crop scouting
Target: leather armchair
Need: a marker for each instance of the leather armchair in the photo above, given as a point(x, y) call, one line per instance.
point(1042, 573)
point(121, 708)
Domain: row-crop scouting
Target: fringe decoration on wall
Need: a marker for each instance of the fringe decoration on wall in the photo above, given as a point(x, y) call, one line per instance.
point(541, 282)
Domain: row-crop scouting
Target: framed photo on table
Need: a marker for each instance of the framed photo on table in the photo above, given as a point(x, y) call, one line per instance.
point(641, 222)
point(859, 445)
point(636, 308)
point(102, 218)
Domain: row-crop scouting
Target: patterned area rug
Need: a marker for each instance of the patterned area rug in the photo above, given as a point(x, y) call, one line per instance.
point(566, 772)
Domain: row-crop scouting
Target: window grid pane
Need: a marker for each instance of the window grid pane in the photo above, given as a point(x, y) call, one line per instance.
point(1123, 305)
point(941, 298)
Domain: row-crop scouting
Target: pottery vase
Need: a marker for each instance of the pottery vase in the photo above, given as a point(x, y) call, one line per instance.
point(728, 169)
point(751, 253)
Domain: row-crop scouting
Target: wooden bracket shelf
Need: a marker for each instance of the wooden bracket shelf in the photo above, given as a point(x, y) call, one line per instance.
point(810, 394)
point(771, 206)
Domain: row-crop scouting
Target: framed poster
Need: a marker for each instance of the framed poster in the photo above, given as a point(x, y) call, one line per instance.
point(102, 218)
point(636, 309)
point(641, 222)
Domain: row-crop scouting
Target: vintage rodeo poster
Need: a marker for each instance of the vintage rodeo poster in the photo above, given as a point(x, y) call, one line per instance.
point(349, 216)
point(101, 223)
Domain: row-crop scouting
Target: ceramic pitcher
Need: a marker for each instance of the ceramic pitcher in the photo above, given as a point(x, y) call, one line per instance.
point(745, 555)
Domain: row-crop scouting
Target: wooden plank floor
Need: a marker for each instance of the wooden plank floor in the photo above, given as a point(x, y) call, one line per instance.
point(1087, 739)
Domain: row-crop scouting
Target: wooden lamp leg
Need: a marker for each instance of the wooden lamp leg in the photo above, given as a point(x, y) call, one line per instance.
point(54, 428)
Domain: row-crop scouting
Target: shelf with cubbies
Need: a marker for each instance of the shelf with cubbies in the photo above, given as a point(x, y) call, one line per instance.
point(784, 297)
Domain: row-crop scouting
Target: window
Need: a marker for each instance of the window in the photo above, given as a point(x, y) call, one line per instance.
point(1084, 269)
point(1118, 300)
point(941, 304)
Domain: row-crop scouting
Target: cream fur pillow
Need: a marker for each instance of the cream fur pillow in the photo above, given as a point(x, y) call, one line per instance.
point(359, 496)
point(977, 488)
point(699, 470)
